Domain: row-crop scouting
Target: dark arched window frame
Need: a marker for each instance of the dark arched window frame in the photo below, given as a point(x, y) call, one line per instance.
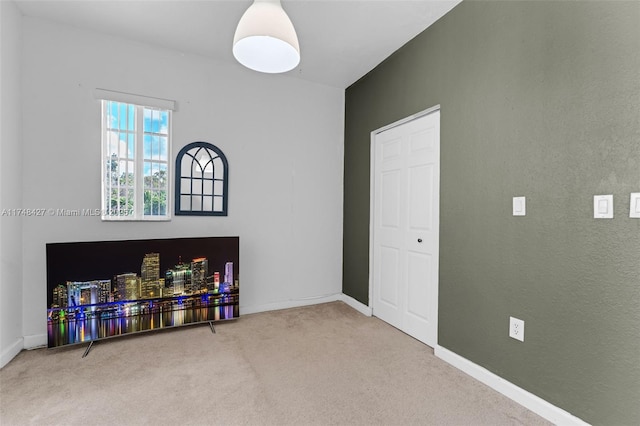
point(208, 194)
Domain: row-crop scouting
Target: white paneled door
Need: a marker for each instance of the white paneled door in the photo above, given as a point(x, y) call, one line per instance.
point(405, 217)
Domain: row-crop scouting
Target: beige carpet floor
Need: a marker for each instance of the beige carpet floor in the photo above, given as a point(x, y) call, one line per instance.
point(318, 365)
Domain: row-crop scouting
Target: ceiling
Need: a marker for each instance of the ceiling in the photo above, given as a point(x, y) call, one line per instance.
point(340, 40)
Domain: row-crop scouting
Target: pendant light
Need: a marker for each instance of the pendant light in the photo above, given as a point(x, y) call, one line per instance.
point(265, 39)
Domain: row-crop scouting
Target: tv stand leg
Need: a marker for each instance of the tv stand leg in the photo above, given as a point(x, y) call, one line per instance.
point(86, 352)
point(213, 330)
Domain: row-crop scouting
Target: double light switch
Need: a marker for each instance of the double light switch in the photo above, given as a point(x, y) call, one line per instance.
point(634, 206)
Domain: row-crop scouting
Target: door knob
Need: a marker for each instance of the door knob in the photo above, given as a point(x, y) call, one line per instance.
point(419, 240)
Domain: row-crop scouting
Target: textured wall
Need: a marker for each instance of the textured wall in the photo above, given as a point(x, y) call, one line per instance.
point(10, 182)
point(539, 99)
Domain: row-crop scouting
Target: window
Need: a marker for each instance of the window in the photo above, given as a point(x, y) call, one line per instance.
point(136, 145)
point(202, 174)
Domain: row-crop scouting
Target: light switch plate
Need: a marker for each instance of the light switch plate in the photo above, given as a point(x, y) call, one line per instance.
point(519, 206)
point(634, 205)
point(603, 206)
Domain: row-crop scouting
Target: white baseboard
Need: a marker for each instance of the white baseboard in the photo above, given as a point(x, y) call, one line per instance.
point(358, 306)
point(245, 310)
point(528, 400)
point(10, 353)
point(35, 341)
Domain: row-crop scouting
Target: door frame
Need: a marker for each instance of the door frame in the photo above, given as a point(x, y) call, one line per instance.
point(372, 194)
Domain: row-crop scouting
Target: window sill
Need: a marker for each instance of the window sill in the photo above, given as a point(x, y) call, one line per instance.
point(127, 219)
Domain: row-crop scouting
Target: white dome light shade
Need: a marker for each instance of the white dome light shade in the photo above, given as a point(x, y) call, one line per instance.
point(265, 39)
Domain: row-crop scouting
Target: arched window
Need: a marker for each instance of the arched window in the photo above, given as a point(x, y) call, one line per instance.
point(202, 180)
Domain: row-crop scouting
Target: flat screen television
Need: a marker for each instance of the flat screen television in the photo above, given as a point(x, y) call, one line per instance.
point(103, 289)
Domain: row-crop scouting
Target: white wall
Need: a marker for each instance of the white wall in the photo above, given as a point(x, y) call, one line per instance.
point(283, 138)
point(10, 183)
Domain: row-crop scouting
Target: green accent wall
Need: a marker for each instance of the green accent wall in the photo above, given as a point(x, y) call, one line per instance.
point(538, 99)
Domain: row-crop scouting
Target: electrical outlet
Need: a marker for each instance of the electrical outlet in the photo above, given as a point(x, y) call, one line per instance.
point(516, 328)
